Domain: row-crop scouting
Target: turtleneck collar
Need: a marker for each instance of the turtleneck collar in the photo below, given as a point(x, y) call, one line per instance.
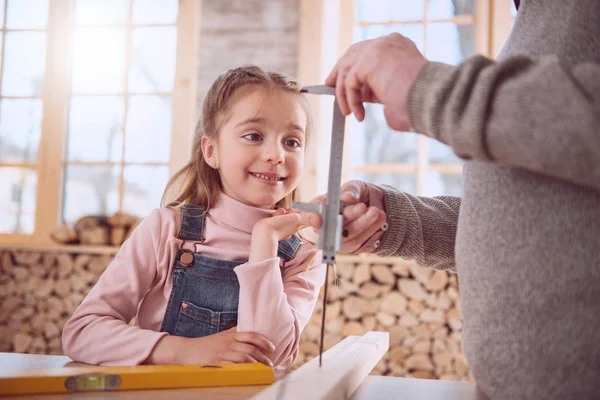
point(237, 214)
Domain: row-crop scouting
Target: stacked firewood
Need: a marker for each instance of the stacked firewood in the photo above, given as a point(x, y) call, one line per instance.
point(38, 293)
point(97, 230)
point(420, 309)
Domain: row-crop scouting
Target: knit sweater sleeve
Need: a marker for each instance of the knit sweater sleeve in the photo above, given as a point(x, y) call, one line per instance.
point(539, 114)
point(420, 228)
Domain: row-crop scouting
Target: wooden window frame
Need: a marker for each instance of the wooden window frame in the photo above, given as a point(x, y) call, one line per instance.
point(56, 95)
point(492, 26)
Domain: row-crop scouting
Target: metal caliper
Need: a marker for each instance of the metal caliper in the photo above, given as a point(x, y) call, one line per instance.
point(330, 234)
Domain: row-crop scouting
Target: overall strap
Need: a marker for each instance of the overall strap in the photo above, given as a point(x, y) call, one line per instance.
point(193, 220)
point(287, 248)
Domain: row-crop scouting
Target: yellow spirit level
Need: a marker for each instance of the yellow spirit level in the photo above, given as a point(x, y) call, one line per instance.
point(84, 379)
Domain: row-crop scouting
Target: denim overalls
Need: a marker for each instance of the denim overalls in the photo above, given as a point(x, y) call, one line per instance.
point(205, 294)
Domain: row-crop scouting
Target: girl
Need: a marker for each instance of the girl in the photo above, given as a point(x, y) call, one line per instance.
point(220, 275)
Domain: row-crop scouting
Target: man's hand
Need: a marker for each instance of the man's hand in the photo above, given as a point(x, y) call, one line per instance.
point(364, 224)
point(380, 70)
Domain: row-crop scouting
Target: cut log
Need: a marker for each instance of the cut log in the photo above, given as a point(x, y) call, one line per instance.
point(383, 274)
point(362, 274)
point(117, 235)
point(419, 361)
point(369, 290)
point(89, 222)
point(401, 270)
point(121, 220)
point(437, 281)
point(386, 319)
point(352, 307)
point(94, 236)
point(369, 323)
point(421, 274)
point(394, 303)
point(64, 234)
point(353, 328)
point(412, 289)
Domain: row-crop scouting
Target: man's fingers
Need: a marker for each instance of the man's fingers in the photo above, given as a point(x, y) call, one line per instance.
point(362, 228)
point(353, 212)
point(256, 340)
point(340, 92)
point(353, 93)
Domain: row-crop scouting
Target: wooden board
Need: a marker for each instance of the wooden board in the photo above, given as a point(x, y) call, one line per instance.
point(344, 368)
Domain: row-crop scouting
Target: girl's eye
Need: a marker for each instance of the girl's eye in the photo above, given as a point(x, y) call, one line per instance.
point(292, 142)
point(253, 137)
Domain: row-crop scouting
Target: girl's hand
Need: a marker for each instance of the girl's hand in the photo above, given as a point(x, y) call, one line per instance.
point(364, 224)
point(226, 347)
point(267, 232)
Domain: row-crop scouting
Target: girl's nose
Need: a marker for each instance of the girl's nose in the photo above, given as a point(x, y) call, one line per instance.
point(274, 154)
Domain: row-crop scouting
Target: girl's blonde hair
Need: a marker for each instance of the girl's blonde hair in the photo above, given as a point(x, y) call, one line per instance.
point(199, 183)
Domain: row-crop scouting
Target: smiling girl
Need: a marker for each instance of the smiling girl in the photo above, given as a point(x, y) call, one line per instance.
point(217, 274)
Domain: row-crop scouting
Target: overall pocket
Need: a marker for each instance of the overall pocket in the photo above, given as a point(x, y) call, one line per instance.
point(195, 321)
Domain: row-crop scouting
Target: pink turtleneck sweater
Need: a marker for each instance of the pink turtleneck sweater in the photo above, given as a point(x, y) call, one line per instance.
point(276, 299)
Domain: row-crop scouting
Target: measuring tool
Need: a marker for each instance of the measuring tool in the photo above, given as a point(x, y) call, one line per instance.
point(330, 234)
point(91, 379)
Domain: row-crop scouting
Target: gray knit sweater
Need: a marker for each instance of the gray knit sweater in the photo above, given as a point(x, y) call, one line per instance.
point(525, 238)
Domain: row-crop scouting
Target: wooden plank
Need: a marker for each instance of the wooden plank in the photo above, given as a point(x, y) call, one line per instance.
point(387, 387)
point(344, 368)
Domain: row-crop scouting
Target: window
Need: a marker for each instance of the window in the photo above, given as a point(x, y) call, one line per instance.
point(23, 38)
point(443, 30)
point(96, 97)
point(119, 124)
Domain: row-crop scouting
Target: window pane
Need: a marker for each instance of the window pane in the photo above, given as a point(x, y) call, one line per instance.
point(24, 63)
point(389, 10)
point(144, 186)
point(441, 153)
point(148, 131)
point(20, 121)
point(153, 60)
point(404, 182)
point(450, 43)
point(96, 128)
point(90, 190)
point(94, 12)
point(17, 200)
point(27, 14)
point(154, 11)
point(99, 60)
point(438, 184)
point(414, 32)
point(2, 13)
point(443, 9)
point(373, 141)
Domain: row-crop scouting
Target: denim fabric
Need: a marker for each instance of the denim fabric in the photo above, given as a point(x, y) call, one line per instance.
point(205, 294)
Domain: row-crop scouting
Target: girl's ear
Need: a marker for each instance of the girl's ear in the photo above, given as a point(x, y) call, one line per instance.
point(209, 152)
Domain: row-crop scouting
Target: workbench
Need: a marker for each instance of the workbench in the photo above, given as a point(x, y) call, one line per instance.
point(373, 387)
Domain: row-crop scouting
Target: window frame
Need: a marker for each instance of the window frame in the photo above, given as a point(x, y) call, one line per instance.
point(56, 96)
point(492, 19)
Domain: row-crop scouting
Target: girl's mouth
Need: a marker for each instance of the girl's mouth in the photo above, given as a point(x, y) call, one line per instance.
point(273, 179)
